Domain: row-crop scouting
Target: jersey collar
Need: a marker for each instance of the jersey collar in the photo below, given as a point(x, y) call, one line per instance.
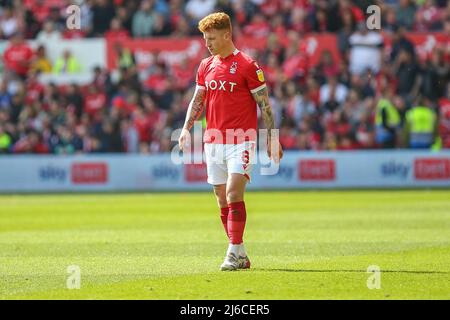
point(235, 52)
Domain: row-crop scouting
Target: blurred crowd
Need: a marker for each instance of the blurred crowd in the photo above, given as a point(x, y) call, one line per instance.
point(362, 102)
point(44, 19)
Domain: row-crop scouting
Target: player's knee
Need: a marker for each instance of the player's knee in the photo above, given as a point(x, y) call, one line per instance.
point(234, 196)
point(221, 197)
point(222, 202)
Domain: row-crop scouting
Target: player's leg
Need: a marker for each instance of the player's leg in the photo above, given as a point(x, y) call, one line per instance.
point(221, 197)
point(217, 176)
point(235, 189)
point(237, 217)
point(239, 167)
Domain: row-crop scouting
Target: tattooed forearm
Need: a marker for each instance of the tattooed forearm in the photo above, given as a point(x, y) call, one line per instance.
point(262, 99)
point(195, 108)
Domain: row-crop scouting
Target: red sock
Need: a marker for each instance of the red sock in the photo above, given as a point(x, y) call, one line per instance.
point(224, 217)
point(236, 222)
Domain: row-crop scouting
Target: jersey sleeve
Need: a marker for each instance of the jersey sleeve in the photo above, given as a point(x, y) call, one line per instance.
point(254, 77)
point(200, 77)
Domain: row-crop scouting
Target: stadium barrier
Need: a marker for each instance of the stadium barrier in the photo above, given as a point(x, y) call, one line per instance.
point(299, 170)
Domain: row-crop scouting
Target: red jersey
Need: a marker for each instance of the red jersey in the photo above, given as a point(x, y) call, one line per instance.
point(17, 58)
point(229, 83)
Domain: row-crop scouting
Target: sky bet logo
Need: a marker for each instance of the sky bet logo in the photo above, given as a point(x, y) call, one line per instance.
point(393, 169)
point(284, 172)
point(52, 173)
point(165, 172)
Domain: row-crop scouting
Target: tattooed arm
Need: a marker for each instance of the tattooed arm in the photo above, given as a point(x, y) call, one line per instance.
point(194, 111)
point(262, 100)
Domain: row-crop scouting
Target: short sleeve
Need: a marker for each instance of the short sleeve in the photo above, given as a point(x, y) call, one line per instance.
point(200, 77)
point(254, 77)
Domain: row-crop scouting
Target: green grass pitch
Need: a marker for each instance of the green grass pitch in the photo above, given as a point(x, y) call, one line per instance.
point(303, 245)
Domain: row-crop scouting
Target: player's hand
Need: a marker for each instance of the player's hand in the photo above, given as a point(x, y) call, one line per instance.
point(184, 140)
point(274, 149)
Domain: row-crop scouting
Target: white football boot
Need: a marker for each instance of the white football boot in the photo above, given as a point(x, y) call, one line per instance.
point(244, 261)
point(231, 261)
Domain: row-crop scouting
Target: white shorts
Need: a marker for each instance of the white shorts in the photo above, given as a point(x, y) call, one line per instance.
point(224, 159)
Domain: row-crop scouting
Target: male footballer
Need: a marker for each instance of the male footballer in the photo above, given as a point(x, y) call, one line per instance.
point(230, 84)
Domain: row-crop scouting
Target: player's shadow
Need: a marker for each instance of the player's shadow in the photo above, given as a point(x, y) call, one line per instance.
point(350, 271)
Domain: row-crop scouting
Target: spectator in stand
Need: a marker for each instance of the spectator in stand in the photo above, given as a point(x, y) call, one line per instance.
point(387, 121)
point(5, 96)
point(435, 75)
point(75, 100)
point(63, 141)
point(10, 23)
point(405, 14)
point(130, 136)
point(288, 135)
point(102, 80)
point(34, 90)
point(31, 25)
point(160, 26)
point(295, 66)
point(159, 85)
point(48, 33)
point(389, 21)
point(39, 8)
point(320, 21)
point(333, 91)
point(428, 17)
point(57, 17)
point(125, 58)
point(400, 42)
point(102, 13)
point(94, 102)
point(408, 75)
point(143, 20)
point(67, 64)
point(125, 15)
point(444, 124)
point(5, 140)
point(299, 106)
point(86, 16)
point(155, 117)
point(343, 36)
point(421, 129)
point(40, 61)
point(17, 56)
point(183, 73)
point(365, 131)
point(365, 52)
point(278, 26)
point(181, 28)
point(110, 137)
point(197, 9)
point(348, 5)
point(116, 31)
point(257, 28)
point(326, 67)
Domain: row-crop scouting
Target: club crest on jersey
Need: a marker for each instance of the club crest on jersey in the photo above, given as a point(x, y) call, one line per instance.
point(260, 75)
point(233, 68)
